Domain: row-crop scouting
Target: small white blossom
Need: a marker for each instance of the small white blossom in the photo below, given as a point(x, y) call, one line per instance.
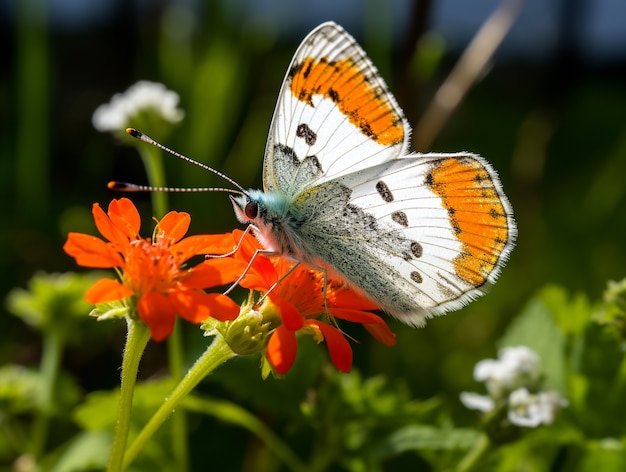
point(474, 401)
point(530, 410)
point(142, 97)
point(510, 379)
point(515, 367)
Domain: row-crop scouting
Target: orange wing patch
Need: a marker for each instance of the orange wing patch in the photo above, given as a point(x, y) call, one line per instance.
point(345, 84)
point(476, 214)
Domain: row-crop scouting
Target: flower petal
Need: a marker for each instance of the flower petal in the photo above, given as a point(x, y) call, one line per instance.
point(338, 347)
point(107, 290)
point(125, 217)
point(281, 349)
point(90, 251)
point(355, 316)
point(197, 306)
point(213, 273)
point(261, 276)
point(478, 402)
point(107, 228)
point(214, 244)
point(350, 297)
point(175, 224)
point(381, 333)
point(158, 313)
point(292, 319)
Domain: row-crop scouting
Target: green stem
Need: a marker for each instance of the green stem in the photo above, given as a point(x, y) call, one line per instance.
point(179, 420)
point(50, 360)
point(138, 336)
point(32, 130)
point(476, 455)
point(153, 162)
point(233, 413)
point(215, 355)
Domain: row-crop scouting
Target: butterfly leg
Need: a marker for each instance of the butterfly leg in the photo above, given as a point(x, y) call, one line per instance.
point(235, 249)
point(280, 280)
point(245, 271)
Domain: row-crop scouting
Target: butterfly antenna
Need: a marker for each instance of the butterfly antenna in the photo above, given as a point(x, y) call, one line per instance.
point(141, 188)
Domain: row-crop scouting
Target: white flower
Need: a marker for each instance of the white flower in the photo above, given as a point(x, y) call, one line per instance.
point(143, 96)
point(516, 367)
point(530, 410)
point(474, 401)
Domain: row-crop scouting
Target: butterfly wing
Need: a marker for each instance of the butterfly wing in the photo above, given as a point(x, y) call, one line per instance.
point(422, 235)
point(419, 234)
point(335, 110)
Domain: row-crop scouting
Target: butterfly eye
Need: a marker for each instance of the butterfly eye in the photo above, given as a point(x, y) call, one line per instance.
point(251, 210)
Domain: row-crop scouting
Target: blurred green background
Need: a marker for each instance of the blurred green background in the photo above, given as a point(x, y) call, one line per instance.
point(549, 114)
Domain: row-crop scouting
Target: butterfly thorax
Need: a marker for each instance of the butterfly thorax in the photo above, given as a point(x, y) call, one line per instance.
point(275, 221)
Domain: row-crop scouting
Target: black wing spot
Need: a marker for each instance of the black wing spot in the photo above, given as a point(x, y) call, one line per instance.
point(429, 180)
point(384, 192)
point(495, 214)
point(416, 249)
point(287, 152)
point(416, 277)
point(306, 133)
point(400, 218)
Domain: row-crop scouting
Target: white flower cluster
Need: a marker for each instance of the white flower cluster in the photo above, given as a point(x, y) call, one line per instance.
point(513, 380)
point(141, 97)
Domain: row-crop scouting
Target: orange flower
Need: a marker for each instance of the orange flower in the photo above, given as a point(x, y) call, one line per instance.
point(299, 299)
point(152, 270)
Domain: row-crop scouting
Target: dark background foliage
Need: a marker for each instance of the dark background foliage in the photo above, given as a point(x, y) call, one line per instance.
point(549, 115)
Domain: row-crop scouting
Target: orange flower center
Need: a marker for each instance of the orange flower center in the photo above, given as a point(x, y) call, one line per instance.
point(150, 265)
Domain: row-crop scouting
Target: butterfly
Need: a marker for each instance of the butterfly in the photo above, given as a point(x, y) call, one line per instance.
point(419, 234)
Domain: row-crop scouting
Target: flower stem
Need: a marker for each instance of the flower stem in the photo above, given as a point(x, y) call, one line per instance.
point(476, 455)
point(215, 355)
point(52, 347)
point(153, 162)
point(138, 336)
point(179, 419)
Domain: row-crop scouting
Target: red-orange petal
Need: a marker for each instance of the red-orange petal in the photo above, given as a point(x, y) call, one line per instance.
point(355, 316)
point(175, 225)
point(107, 228)
point(338, 347)
point(90, 251)
point(262, 274)
point(196, 306)
point(382, 333)
point(158, 313)
point(291, 317)
point(349, 297)
point(125, 217)
point(214, 273)
point(281, 349)
point(212, 244)
point(107, 290)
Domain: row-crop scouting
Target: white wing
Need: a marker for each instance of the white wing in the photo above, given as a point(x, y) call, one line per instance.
point(458, 223)
point(335, 108)
point(419, 234)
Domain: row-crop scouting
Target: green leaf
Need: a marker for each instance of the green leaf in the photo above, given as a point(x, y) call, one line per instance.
point(606, 454)
point(19, 389)
point(86, 451)
point(423, 437)
point(99, 411)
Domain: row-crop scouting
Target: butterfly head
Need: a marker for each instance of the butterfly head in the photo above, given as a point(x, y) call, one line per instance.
point(271, 217)
point(246, 208)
